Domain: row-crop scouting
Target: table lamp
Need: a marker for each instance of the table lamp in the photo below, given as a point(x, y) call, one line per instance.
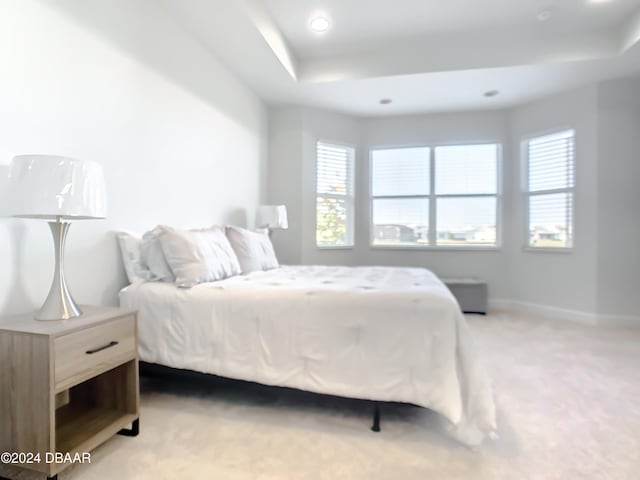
point(61, 190)
point(272, 217)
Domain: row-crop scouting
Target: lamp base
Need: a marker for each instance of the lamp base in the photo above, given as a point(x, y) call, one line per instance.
point(59, 304)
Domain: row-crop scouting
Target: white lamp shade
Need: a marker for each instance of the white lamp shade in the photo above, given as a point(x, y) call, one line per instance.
point(51, 187)
point(272, 216)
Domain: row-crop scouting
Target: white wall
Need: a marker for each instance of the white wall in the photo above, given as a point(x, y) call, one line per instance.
point(618, 274)
point(293, 136)
point(180, 139)
point(562, 280)
point(321, 125)
point(284, 180)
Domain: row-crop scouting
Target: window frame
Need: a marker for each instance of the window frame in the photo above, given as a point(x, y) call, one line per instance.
point(433, 198)
point(526, 194)
point(372, 198)
point(349, 199)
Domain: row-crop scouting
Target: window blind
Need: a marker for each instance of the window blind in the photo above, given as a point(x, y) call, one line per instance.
point(550, 183)
point(551, 162)
point(400, 172)
point(334, 169)
point(466, 169)
point(334, 195)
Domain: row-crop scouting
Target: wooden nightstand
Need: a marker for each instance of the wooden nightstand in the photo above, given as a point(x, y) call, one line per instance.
point(67, 386)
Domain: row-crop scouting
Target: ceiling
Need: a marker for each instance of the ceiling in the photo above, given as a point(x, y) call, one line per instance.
point(425, 55)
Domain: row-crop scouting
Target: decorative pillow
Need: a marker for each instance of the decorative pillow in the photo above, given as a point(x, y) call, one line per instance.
point(134, 265)
point(153, 256)
point(197, 256)
point(253, 249)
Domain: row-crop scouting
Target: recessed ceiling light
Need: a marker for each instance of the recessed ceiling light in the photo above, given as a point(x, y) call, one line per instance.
point(385, 101)
point(319, 24)
point(599, 2)
point(491, 93)
point(544, 15)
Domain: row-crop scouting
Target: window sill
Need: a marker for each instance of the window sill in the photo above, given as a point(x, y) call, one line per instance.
point(336, 247)
point(421, 248)
point(563, 250)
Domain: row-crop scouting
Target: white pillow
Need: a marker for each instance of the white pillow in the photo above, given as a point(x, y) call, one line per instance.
point(197, 256)
point(253, 249)
point(153, 256)
point(134, 265)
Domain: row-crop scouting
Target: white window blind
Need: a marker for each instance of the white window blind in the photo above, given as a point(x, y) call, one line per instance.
point(334, 195)
point(401, 171)
point(550, 184)
point(466, 169)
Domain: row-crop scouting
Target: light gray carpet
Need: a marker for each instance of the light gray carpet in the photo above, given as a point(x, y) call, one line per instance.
point(568, 399)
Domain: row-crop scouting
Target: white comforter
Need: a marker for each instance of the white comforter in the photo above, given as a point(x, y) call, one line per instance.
point(376, 333)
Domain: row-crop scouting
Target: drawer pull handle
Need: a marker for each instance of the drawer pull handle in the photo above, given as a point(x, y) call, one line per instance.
point(104, 347)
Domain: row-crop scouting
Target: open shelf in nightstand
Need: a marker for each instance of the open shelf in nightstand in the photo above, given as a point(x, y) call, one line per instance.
point(97, 409)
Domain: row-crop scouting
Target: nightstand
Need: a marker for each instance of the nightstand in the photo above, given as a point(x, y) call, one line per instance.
point(67, 386)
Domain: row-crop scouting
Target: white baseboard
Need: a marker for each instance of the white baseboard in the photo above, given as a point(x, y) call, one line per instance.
point(557, 313)
point(544, 311)
point(611, 320)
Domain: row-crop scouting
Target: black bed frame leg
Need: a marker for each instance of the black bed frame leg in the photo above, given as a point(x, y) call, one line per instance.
point(376, 417)
point(134, 431)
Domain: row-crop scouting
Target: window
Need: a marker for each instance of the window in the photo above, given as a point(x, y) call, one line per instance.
point(549, 190)
point(334, 195)
point(400, 185)
point(467, 195)
point(445, 196)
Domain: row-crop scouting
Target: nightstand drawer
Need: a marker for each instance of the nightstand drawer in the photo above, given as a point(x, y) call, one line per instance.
point(86, 353)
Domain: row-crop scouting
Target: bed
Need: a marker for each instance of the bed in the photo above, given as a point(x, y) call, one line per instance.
point(376, 333)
